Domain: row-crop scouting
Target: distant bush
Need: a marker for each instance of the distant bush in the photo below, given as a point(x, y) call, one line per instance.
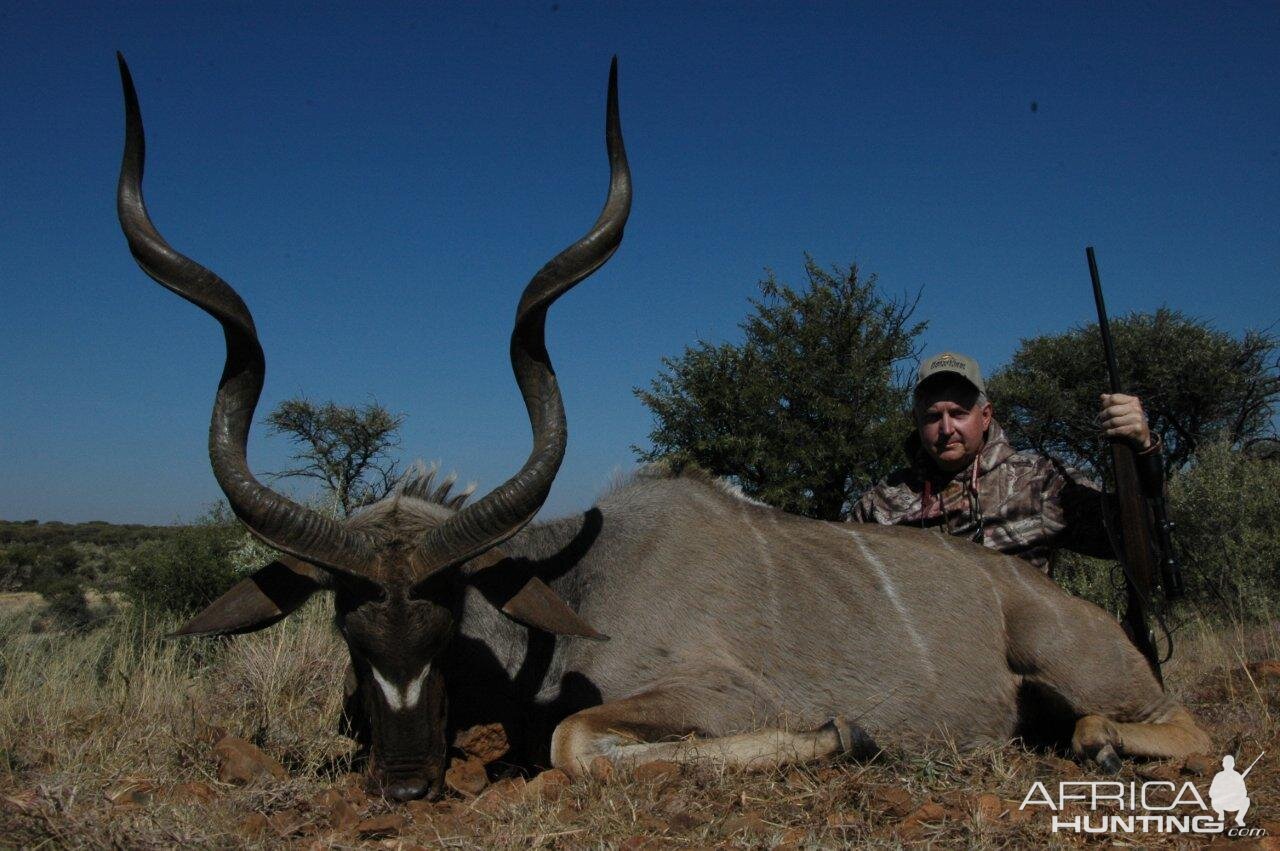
point(186, 571)
point(1226, 511)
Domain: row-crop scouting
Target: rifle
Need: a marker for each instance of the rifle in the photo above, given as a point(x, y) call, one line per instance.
point(1136, 555)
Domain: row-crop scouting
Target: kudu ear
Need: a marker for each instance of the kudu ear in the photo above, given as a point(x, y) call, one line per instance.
point(261, 599)
point(532, 603)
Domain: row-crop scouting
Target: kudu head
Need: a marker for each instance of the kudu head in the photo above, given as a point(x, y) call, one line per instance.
point(397, 585)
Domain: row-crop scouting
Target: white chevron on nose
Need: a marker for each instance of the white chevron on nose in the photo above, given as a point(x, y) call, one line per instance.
point(401, 698)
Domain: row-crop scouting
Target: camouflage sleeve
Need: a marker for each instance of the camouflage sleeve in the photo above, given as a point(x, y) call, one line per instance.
point(864, 510)
point(1073, 513)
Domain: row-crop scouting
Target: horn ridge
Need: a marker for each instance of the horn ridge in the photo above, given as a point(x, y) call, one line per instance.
point(275, 519)
point(506, 509)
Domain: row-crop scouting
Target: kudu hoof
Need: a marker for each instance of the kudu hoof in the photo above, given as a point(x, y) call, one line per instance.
point(853, 740)
point(1107, 759)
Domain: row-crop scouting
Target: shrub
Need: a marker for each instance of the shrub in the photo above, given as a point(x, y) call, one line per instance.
point(187, 571)
point(1226, 511)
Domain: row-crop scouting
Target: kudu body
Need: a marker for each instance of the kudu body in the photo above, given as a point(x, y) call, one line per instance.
point(737, 632)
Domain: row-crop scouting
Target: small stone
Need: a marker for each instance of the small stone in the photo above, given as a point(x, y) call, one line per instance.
point(1267, 668)
point(922, 821)
point(381, 827)
point(422, 812)
point(194, 792)
point(466, 777)
point(750, 823)
point(685, 821)
point(285, 823)
point(337, 809)
point(659, 769)
point(254, 824)
point(601, 769)
point(240, 762)
point(1062, 767)
point(501, 795)
point(989, 808)
point(892, 800)
point(1158, 771)
point(1199, 764)
point(485, 742)
point(549, 785)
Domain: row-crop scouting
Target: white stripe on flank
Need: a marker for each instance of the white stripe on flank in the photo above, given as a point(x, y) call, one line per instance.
point(892, 593)
point(406, 698)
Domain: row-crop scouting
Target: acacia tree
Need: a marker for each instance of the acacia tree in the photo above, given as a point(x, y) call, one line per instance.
point(809, 409)
point(347, 448)
point(1197, 384)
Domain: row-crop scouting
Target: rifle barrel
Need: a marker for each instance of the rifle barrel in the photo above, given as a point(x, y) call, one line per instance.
point(1113, 370)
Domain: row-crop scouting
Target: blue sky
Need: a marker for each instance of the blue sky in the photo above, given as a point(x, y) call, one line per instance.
point(380, 180)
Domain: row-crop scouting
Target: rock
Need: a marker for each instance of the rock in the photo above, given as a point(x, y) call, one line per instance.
point(381, 827)
point(549, 785)
point(466, 777)
point(240, 762)
point(207, 733)
point(1267, 668)
point(485, 742)
point(285, 823)
point(684, 820)
point(1200, 764)
point(335, 808)
point(1062, 767)
point(659, 769)
point(922, 821)
point(750, 823)
point(989, 808)
point(254, 824)
point(796, 835)
point(501, 795)
point(422, 812)
point(195, 792)
point(601, 769)
point(892, 800)
point(1158, 771)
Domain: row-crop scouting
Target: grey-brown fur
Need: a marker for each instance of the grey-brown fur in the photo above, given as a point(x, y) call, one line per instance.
point(749, 617)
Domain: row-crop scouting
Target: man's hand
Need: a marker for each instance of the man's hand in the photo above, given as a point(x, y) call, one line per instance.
point(1122, 416)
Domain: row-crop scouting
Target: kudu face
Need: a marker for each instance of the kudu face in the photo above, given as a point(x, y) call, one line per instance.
point(397, 595)
point(397, 646)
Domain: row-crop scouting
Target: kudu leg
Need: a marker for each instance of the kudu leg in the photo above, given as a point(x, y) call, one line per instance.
point(1081, 654)
point(1169, 737)
point(633, 730)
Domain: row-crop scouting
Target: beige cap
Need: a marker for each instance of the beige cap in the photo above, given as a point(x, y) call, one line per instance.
point(962, 365)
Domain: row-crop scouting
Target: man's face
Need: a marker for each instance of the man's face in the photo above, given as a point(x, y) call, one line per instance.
point(950, 421)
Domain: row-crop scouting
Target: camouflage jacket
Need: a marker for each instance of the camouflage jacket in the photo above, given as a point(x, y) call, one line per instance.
point(1019, 503)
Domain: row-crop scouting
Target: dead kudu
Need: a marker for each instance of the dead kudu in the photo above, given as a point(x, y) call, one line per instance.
point(738, 633)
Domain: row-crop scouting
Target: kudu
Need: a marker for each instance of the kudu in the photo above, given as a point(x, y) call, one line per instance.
point(738, 633)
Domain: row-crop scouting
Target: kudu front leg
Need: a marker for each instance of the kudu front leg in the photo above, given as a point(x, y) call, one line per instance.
point(649, 727)
point(1171, 735)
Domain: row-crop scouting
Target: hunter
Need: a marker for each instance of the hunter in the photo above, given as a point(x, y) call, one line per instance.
point(966, 478)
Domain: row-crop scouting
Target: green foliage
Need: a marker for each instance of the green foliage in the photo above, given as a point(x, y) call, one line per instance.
point(1197, 385)
point(810, 409)
point(187, 571)
point(1225, 505)
point(1226, 511)
point(346, 448)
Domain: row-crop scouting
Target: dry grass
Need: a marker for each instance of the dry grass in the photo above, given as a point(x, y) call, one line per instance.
point(98, 730)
